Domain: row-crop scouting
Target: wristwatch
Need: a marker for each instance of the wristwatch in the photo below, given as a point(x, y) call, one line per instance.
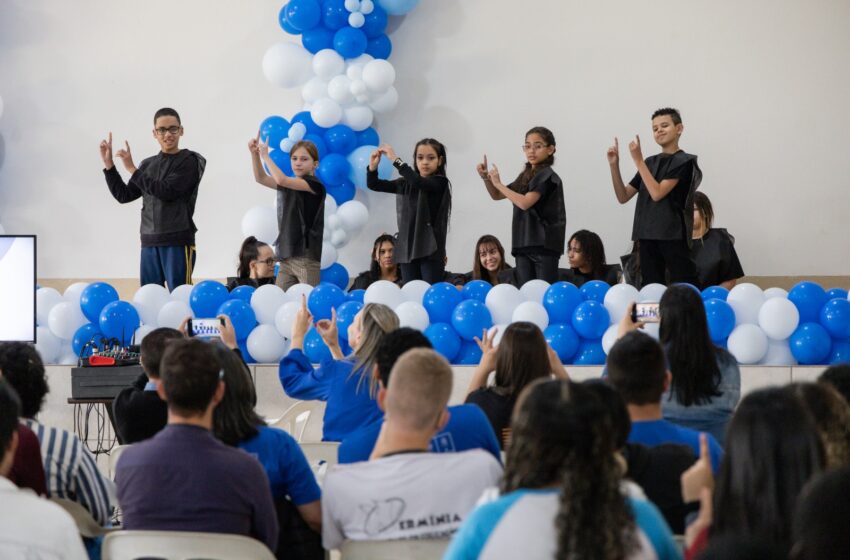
point(398, 162)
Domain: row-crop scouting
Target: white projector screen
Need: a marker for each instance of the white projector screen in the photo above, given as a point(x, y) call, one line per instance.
point(17, 288)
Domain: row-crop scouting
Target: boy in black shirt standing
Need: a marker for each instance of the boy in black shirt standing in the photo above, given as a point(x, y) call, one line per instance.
point(168, 185)
point(665, 184)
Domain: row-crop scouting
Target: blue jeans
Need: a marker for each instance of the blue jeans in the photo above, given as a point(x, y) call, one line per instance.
point(172, 264)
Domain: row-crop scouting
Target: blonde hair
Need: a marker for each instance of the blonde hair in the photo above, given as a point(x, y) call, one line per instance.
point(419, 389)
point(376, 321)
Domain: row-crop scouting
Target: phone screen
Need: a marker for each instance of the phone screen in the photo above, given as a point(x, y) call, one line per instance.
point(646, 313)
point(205, 328)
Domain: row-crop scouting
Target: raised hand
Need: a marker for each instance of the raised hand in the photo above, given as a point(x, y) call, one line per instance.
point(699, 475)
point(254, 143)
point(328, 330)
point(482, 169)
point(262, 148)
point(614, 152)
point(126, 157)
point(488, 351)
point(387, 149)
point(303, 320)
point(495, 178)
point(227, 332)
point(106, 152)
point(634, 149)
point(374, 159)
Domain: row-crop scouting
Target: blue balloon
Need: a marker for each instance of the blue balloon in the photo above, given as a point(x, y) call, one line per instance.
point(95, 297)
point(560, 300)
point(304, 118)
point(315, 348)
point(359, 161)
point(833, 293)
point(302, 14)
point(720, 317)
point(809, 299)
point(444, 340)
point(379, 47)
point(563, 340)
point(356, 295)
point(835, 317)
point(285, 24)
point(272, 130)
point(334, 14)
point(477, 290)
point(840, 353)
point(206, 297)
point(375, 23)
point(120, 320)
point(89, 332)
point(243, 292)
point(715, 292)
point(342, 192)
point(335, 274)
point(469, 353)
point(345, 314)
point(590, 320)
point(810, 344)
point(594, 290)
point(323, 298)
point(340, 139)
point(319, 142)
point(470, 318)
point(368, 137)
point(590, 353)
point(440, 301)
point(397, 7)
point(350, 42)
point(318, 39)
point(282, 160)
point(241, 315)
point(334, 169)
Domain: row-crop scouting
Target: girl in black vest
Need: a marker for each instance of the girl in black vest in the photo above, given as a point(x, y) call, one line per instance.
point(540, 219)
point(423, 207)
point(300, 211)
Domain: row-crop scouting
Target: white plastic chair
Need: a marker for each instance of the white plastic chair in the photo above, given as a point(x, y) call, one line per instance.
point(113, 458)
point(424, 549)
point(321, 455)
point(86, 525)
point(303, 420)
point(178, 545)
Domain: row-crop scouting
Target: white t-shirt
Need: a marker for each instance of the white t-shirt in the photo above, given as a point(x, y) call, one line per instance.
point(405, 496)
point(33, 528)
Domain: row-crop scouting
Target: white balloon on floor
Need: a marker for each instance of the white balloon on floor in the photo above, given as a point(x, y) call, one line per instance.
point(142, 332)
point(265, 301)
point(295, 292)
point(182, 293)
point(173, 313)
point(501, 300)
point(49, 346)
point(746, 300)
point(45, 300)
point(266, 345)
point(385, 292)
point(609, 338)
point(531, 312)
point(533, 290)
point(285, 316)
point(617, 300)
point(747, 343)
point(74, 291)
point(775, 293)
point(412, 314)
point(414, 290)
point(778, 354)
point(651, 292)
point(778, 318)
point(148, 301)
point(64, 320)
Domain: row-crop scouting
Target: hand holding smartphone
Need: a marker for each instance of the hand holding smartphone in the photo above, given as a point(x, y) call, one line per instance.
point(204, 328)
point(646, 312)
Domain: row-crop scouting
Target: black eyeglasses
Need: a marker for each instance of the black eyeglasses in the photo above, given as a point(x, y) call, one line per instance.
point(172, 129)
point(268, 262)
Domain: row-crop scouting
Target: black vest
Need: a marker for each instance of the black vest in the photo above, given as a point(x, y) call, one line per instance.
point(296, 237)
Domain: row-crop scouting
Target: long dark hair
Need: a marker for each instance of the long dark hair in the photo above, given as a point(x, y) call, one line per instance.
point(521, 358)
point(478, 272)
point(234, 419)
point(772, 450)
point(520, 184)
point(375, 266)
point(250, 251)
point(703, 206)
point(563, 434)
point(593, 251)
point(441, 169)
point(831, 414)
point(691, 355)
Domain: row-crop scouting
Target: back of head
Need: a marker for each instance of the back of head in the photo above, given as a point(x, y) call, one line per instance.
point(736, 547)
point(772, 450)
point(673, 113)
point(10, 409)
point(234, 419)
point(393, 345)
point(831, 414)
point(839, 377)
point(378, 320)
point(636, 368)
point(615, 406)
point(419, 393)
point(166, 112)
point(153, 347)
point(521, 357)
point(592, 249)
point(190, 374)
point(22, 367)
point(822, 518)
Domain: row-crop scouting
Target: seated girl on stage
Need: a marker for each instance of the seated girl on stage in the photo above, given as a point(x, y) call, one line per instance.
point(488, 263)
point(383, 265)
point(713, 249)
point(587, 260)
point(256, 265)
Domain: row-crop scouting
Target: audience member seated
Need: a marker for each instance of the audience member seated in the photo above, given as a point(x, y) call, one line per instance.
point(838, 376)
point(488, 264)
point(70, 469)
point(467, 428)
point(657, 469)
point(822, 517)
point(713, 249)
point(183, 478)
point(521, 357)
point(138, 411)
point(345, 383)
point(636, 368)
point(587, 261)
point(772, 450)
point(30, 527)
point(740, 548)
point(27, 468)
point(382, 265)
point(562, 491)
point(256, 265)
point(831, 414)
point(404, 491)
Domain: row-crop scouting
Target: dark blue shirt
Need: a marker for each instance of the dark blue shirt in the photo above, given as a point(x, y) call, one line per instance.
point(285, 464)
point(656, 432)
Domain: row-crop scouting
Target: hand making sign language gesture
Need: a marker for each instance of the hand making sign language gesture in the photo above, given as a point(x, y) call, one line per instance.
point(125, 156)
point(106, 152)
point(614, 152)
point(635, 151)
point(482, 169)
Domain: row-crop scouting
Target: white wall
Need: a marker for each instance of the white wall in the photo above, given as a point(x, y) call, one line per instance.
point(762, 85)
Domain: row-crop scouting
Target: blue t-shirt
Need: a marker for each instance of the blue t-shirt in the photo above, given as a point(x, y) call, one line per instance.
point(349, 407)
point(656, 432)
point(285, 464)
point(468, 428)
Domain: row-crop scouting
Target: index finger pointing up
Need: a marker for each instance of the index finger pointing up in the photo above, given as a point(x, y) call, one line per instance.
point(110, 138)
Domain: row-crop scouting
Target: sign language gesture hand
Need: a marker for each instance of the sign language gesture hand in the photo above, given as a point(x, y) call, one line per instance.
point(374, 159)
point(106, 152)
point(254, 143)
point(634, 149)
point(495, 178)
point(387, 149)
point(614, 152)
point(263, 148)
point(126, 157)
point(482, 169)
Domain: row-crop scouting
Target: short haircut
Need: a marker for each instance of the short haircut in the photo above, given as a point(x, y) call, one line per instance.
point(190, 374)
point(23, 369)
point(10, 409)
point(636, 368)
point(166, 112)
point(153, 347)
point(839, 377)
point(393, 345)
point(419, 393)
point(674, 114)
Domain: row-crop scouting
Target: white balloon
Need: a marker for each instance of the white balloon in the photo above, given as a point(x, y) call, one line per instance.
point(285, 316)
point(358, 87)
point(287, 144)
point(363, 98)
point(142, 332)
point(385, 102)
point(265, 301)
point(353, 215)
point(45, 300)
point(499, 331)
point(67, 357)
point(747, 343)
point(775, 293)
point(501, 300)
point(332, 222)
point(266, 345)
point(64, 320)
point(352, 5)
point(778, 354)
point(412, 314)
point(74, 291)
point(261, 222)
point(339, 89)
point(534, 290)
point(531, 312)
point(48, 345)
point(746, 299)
point(326, 112)
point(385, 292)
point(339, 238)
point(653, 330)
point(354, 71)
point(148, 300)
point(617, 300)
point(778, 318)
point(182, 293)
point(356, 20)
point(651, 293)
point(312, 91)
point(379, 75)
point(330, 208)
point(609, 338)
point(366, 7)
point(329, 254)
point(327, 63)
point(287, 64)
point(414, 290)
point(357, 117)
point(295, 292)
point(298, 130)
point(173, 313)
point(361, 60)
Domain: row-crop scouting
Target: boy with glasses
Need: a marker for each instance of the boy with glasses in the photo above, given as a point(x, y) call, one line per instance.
point(167, 183)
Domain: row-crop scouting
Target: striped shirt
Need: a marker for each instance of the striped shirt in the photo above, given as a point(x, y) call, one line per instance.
point(71, 471)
